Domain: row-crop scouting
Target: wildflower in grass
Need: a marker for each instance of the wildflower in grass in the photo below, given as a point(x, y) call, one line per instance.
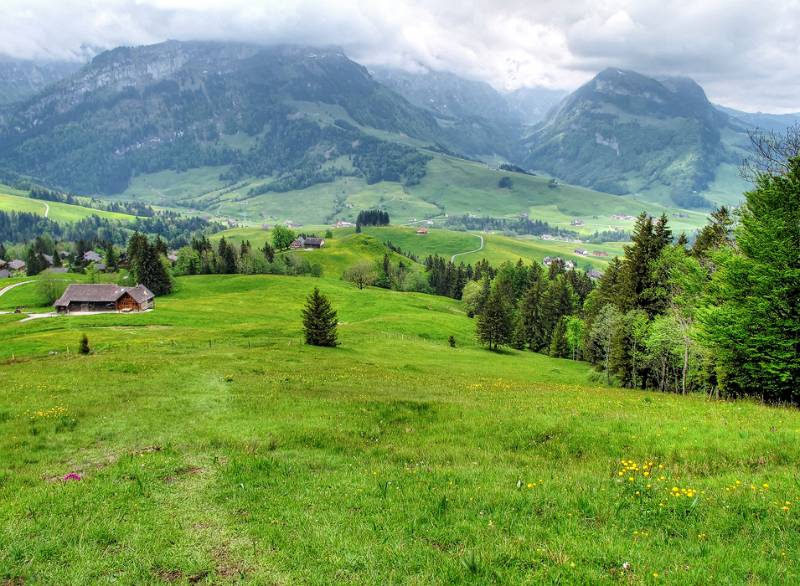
point(72, 476)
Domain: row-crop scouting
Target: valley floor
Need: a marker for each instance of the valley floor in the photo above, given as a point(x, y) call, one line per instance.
point(212, 446)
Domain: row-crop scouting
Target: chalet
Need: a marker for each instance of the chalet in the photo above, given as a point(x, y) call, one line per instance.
point(49, 260)
point(581, 251)
point(91, 256)
point(16, 266)
point(4, 274)
point(576, 222)
point(422, 231)
point(307, 242)
point(344, 224)
point(594, 274)
point(105, 298)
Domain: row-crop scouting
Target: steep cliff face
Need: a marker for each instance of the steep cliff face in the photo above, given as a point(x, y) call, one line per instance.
point(20, 79)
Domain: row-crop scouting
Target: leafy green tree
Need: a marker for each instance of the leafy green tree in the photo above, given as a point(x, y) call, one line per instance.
point(751, 317)
point(361, 274)
point(494, 322)
point(575, 331)
point(50, 288)
point(319, 320)
point(471, 297)
point(602, 334)
point(188, 262)
point(282, 237)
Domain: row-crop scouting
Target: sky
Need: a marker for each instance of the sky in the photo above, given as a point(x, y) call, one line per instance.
point(745, 54)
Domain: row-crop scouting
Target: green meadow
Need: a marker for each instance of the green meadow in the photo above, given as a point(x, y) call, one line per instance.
point(451, 187)
point(12, 200)
point(340, 251)
point(213, 446)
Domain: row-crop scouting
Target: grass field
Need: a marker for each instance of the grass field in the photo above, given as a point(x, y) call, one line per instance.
point(451, 187)
point(497, 249)
point(214, 447)
point(12, 200)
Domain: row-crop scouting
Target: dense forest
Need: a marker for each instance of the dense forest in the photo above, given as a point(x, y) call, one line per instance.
point(20, 227)
point(721, 316)
point(521, 225)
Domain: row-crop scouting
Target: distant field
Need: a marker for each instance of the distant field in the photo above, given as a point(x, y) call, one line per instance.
point(14, 201)
point(451, 187)
point(497, 249)
point(214, 447)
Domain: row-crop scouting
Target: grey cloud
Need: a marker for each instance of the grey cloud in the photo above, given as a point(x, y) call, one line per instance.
point(745, 56)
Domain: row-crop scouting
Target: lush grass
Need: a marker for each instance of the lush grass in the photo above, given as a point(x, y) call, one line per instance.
point(13, 201)
point(32, 297)
point(451, 186)
point(497, 248)
point(215, 447)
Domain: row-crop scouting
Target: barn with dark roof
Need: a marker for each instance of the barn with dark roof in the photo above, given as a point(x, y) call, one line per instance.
point(105, 297)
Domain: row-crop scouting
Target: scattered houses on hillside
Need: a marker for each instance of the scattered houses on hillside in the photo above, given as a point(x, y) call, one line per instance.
point(594, 274)
point(105, 298)
point(16, 265)
point(307, 242)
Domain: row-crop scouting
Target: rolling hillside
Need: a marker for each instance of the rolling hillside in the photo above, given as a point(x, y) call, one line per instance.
point(212, 445)
point(14, 200)
point(451, 186)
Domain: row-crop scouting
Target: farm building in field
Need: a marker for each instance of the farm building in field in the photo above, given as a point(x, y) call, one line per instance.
point(16, 265)
point(91, 256)
point(105, 297)
point(310, 242)
point(422, 231)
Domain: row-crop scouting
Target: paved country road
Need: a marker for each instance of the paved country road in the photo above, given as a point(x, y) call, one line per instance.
point(453, 258)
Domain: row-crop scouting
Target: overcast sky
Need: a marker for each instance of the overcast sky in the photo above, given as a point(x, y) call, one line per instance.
point(745, 53)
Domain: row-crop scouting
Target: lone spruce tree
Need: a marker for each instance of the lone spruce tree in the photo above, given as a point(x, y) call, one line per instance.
point(494, 326)
point(319, 320)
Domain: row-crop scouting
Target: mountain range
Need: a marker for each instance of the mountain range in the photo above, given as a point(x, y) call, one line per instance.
point(300, 116)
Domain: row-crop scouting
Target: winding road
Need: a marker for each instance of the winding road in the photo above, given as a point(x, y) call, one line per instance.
point(453, 258)
point(5, 290)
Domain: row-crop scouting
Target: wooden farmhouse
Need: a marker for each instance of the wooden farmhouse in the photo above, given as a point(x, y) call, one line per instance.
point(307, 242)
point(105, 298)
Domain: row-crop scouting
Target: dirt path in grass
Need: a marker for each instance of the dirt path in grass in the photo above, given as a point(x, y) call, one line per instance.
point(453, 258)
point(46, 209)
point(5, 290)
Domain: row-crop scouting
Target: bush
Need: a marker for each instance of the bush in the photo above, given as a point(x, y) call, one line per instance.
point(83, 347)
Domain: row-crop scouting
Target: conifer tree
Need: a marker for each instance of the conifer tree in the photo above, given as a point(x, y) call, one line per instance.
point(494, 327)
point(319, 320)
point(83, 346)
point(559, 348)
